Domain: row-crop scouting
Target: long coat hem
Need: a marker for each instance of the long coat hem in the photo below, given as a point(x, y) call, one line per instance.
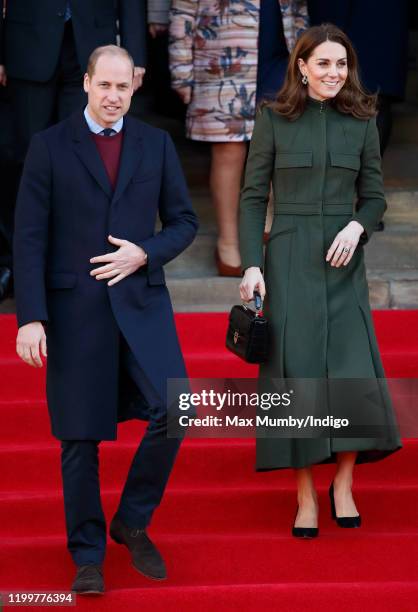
point(364, 456)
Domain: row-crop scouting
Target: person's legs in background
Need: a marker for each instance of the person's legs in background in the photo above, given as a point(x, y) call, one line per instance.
point(227, 168)
point(70, 93)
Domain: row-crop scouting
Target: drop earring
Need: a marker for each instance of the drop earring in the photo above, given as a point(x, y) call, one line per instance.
point(305, 79)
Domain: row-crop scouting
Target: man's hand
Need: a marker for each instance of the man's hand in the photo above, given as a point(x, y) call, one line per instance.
point(345, 242)
point(185, 94)
point(30, 341)
point(3, 76)
point(121, 263)
point(138, 77)
point(253, 280)
point(157, 29)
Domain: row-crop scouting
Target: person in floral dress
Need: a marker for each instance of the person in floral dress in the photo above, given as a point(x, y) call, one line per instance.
point(213, 50)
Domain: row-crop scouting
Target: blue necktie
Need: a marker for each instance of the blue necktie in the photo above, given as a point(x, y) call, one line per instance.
point(107, 132)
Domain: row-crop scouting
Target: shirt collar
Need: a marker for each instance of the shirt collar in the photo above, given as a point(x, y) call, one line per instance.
point(96, 128)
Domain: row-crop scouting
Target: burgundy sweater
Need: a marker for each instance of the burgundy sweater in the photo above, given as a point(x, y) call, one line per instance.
point(110, 148)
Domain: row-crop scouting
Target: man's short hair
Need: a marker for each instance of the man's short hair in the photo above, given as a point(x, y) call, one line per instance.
point(113, 50)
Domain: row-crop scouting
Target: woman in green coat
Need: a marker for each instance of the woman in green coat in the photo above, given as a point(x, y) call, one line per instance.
point(318, 146)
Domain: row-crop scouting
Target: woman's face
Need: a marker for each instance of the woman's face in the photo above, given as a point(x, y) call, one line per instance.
point(326, 70)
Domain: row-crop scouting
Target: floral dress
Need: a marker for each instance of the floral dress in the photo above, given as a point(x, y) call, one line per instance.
point(214, 49)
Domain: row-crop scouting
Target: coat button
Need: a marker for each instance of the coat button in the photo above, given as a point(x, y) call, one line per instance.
point(61, 14)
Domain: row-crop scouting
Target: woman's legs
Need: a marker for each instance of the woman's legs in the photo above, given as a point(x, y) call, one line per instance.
point(307, 515)
point(227, 167)
point(343, 480)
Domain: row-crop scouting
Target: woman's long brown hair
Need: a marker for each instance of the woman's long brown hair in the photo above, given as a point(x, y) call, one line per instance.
point(351, 99)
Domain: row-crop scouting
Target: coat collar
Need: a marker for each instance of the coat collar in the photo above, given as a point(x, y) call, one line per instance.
point(131, 154)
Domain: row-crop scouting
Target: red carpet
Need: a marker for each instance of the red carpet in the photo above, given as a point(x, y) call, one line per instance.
point(224, 530)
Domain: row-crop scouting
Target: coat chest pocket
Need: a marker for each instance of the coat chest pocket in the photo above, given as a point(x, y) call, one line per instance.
point(342, 176)
point(294, 160)
point(351, 161)
point(292, 180)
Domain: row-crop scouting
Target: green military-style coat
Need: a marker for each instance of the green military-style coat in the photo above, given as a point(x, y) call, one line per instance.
point(325, 170)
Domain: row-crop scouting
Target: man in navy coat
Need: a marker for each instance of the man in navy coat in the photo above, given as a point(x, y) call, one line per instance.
point(89, 283)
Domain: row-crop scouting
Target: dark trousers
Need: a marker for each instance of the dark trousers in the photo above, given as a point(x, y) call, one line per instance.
point(144, 487)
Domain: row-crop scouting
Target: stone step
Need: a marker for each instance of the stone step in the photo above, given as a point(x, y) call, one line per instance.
point(388, 252)
point(215, 294)
point(391, 260)
point(400, 166)
point(405, 123)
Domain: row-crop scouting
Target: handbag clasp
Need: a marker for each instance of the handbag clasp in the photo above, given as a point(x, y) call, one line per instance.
point(236, 336)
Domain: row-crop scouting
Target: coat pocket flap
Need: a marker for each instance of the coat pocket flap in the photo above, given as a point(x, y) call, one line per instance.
point(156, 277)
point(61, 280)
point(345, 160)
point(294, 160)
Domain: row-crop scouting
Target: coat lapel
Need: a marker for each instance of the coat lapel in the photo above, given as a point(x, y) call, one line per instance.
point(131, 155)
point(87, 152)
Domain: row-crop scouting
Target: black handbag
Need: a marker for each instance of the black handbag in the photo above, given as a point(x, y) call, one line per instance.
point(247, 335)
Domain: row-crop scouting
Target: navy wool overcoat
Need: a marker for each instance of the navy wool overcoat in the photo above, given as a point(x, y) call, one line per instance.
point(66, 210)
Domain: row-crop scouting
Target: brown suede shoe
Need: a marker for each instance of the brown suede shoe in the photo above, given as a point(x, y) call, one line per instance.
point(145, 557)
point(88, 580)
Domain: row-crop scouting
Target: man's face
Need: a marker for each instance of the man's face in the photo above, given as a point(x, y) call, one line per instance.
point(109, 90)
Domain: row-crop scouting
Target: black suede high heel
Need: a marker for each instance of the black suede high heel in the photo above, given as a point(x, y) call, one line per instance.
point(347, 522)
point(304, 532)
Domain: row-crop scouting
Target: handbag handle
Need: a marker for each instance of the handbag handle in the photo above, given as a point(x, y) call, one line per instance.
point(258, 303)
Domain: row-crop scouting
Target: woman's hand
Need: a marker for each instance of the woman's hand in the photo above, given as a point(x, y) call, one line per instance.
point(253, 280)
point(345, 242)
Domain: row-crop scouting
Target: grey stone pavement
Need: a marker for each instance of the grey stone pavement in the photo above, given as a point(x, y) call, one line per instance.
point(391, 256)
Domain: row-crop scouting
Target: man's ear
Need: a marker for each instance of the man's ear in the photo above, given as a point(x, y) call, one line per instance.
point(86, 83)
